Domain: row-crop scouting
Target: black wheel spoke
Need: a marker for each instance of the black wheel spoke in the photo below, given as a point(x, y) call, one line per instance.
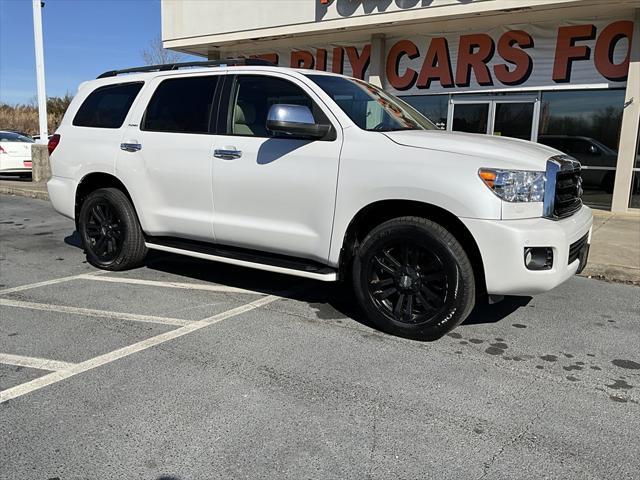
point(432, 297)
point(391, 259)
point(384, 267)
point(382, 283)
point(100, 244)
point(97, 214)
point(93, 229)
point(383, 294)
point(407, 282)
point(409, 310)
point(397, 311)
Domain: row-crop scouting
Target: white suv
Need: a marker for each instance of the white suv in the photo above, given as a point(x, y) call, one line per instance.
point(316, 175)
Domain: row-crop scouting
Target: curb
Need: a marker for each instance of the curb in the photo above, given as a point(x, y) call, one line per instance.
point(25, 192)
point(612, 273)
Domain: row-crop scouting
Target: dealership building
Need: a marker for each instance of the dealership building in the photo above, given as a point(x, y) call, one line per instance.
point(561, 72)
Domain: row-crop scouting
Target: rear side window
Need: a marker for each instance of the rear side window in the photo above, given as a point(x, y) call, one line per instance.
point(181, 105)
point(107, 107)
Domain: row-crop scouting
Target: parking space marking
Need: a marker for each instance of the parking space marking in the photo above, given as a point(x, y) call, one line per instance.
point(185, 286)
point(89, 312)
point(33, 362)
point(106, 358)
point(50, 282)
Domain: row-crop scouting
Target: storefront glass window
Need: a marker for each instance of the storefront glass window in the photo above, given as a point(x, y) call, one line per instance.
point(471, 117)
point(586, 125)
point(634, 202)
point(434, 107)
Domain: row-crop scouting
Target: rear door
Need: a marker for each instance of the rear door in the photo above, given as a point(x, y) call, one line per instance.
point(276, 194)
point(166, 156)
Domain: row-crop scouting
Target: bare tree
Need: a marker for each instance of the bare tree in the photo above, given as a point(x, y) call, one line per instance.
point(156, 54)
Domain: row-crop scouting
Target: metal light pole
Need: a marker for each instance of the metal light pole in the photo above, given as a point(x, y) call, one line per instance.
point(42, 95)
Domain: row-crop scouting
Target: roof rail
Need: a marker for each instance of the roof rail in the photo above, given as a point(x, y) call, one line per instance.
point(229, 62)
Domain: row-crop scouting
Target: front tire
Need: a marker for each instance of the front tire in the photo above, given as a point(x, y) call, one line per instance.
point(413, 279)
point(110, 231)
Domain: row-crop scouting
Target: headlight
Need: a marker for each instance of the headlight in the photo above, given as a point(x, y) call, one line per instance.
point(515, 185)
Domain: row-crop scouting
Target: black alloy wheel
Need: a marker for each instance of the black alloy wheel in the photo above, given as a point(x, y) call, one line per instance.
point(105, 232)
point(407, 282)
point(110, 231)
point(412, 278)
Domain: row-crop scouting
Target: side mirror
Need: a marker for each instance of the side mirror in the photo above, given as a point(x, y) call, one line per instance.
point(593, 150)
point(294, 121)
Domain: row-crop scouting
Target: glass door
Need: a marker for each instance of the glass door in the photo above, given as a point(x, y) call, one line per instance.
point(513, 119)
point(513, 116)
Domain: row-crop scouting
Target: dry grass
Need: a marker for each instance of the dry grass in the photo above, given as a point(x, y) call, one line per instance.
point(24, 118)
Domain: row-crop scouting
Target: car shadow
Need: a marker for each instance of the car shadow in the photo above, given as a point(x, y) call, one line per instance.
point(73, 240)
point(330, 301)
point(492, 313)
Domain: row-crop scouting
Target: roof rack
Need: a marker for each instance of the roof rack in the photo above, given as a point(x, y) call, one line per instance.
point(229, 62)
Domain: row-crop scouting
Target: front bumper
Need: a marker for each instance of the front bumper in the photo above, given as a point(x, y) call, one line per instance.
point(502, 243)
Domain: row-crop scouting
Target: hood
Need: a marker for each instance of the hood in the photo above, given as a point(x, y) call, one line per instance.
point(499, 152)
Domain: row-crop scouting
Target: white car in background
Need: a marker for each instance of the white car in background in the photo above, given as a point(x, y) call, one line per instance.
point(15, 153)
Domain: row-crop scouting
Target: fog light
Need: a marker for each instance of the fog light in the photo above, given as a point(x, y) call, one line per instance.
point(538, 258)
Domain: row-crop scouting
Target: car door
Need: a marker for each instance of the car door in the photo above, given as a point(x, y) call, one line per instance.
point(274, 194)
point(166, 157)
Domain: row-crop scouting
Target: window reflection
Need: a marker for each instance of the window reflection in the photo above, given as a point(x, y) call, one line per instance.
point(434, 107)
point(634, 201)
point(586, 125)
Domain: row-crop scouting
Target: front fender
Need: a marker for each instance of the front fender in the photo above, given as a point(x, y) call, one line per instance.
point(371, 172)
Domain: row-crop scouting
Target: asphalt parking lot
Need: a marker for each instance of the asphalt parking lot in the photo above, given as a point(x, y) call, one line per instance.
point(186, 369)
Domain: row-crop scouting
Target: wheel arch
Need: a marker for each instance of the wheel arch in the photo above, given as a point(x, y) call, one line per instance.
point(378, 212)
point(95, 180)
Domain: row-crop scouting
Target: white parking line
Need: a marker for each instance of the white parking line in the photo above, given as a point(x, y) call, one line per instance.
point(33, 362)
point(90, 364)
point(89, 312)
point(50, 282)
point(185, 286)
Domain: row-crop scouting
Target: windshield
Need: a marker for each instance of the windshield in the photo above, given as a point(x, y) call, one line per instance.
point(370, 107)
point(14, 137)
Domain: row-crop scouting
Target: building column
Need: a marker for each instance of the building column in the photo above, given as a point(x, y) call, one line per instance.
point(629, 132)
point(377, 67)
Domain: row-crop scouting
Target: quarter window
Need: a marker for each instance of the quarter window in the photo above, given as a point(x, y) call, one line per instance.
point(107, 107)
point(254, 96)
point(181, 105)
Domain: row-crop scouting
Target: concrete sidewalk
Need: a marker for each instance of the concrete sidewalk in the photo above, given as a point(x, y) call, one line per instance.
point(615, 244)
point(615, 248)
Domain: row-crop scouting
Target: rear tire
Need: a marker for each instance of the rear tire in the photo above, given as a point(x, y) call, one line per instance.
point(413, 279)
point(110, 231)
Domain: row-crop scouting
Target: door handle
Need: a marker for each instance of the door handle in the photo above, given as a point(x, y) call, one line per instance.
point(130, 147)
point(228, 153)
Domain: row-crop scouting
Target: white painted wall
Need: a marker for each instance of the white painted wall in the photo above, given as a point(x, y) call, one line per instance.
point(186, 23)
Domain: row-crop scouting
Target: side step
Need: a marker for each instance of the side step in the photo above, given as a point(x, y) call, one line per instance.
point(244, 258)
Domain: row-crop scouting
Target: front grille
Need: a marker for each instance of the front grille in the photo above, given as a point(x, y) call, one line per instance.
point(563, 195)
point(576, 247)
point(568, 199)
